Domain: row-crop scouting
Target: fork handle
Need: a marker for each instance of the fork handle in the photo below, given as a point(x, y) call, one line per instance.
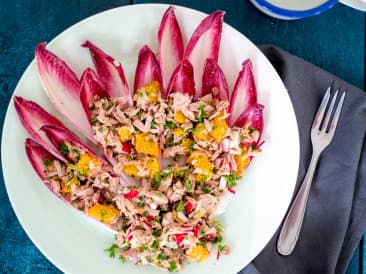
point(292, 225)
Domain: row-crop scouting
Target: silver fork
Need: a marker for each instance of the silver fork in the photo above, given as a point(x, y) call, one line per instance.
point(322, 133)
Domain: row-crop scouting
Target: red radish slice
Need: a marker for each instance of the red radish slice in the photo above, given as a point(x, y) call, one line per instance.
point(252, 117)
point(33, 117)
point(147, 70)
point(90, 87)
point(204, 43)
point(182, 79)
point(170, 46)
point(58, 136)
point(214, 81)
point(62, 88)
point(110, 72)
point(224, 202)
point(244, 93)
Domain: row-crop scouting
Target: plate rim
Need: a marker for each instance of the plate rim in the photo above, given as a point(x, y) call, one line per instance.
point(59, 36)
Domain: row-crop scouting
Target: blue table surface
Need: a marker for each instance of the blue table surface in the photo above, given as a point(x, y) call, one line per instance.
point(334, 40)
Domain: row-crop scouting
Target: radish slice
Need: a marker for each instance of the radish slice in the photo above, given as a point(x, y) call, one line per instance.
point(147, 70)
point(37, 154)
point(33, 117)
point(244, 93)
point(214, 81)
point(110, 72)
point(170, 46)
point(224, 202)
point(62, 88)
point(252, 117)
point(90, 87)
point(204, 43)
point(58, 136)
point(182, 79)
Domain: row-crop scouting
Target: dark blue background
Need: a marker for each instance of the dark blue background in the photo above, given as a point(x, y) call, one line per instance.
point(334, 41)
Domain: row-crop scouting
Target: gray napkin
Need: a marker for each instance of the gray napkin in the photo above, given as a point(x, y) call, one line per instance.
point(335, 218)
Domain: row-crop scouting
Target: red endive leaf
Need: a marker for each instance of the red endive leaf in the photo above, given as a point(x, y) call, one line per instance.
point(204, 43)
point(170, 46)
point(214, 81)
point(37, 155)
point(182, 79)
point(110, 72)
point(58, 136)
point(244, 93)
point(33, 117)
point(147, 70)
point(90, 87)
point(62, 87)
point(252, 117)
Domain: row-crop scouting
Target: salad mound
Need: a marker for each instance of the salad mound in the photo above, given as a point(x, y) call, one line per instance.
point(174, 149)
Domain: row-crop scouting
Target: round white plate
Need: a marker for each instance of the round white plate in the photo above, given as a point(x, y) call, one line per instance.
point(73, 243)
point(356, 4)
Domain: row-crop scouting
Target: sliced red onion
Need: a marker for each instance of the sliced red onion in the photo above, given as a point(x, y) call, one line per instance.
point(170, 46)
point(244, 93)
point(62, 88)
point(110, 72)
point(204, 43)
point(90, 87)
point(33, 117)
point(214, 81)
point(182, 79)
point(147, 70)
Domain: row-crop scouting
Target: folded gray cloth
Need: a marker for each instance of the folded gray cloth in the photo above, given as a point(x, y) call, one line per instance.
point(335, 219)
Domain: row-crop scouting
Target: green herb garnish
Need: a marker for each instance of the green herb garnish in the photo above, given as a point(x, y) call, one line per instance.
point(203, 113)
point(47, 162)
point(93, 121)
point(170, 141)
point(170, 125)
point(231, 180)
point(162, 256)
point(154, 246)
point(112, 250)
point(122, 259)
point(181, 206)
point(172, 266)
point(157, 233)
point(188, 185)
point(64, 149)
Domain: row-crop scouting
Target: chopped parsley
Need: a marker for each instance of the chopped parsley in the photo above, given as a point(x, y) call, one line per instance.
point(141, 201)
point(170, 125)
point(112, 250)
point(93, 121)
point(188, 185)
point(203, 113)
point(162, 256)
point(64, 149)
point(220, 248)
point(205, 189)
point(172, 266)
point(251, 129)
point(231, 180)
point(122, 259)
point(181, 206)
point(154, 246)
point(157, 233)
point(47, 162)
point(154, 124)
point(170, 141)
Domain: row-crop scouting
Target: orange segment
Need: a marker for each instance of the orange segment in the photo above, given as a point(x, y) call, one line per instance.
point(146, 145)
point(103, 213)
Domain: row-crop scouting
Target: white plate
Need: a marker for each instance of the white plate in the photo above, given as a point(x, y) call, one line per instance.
point(74, 244)
point(356, 4)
